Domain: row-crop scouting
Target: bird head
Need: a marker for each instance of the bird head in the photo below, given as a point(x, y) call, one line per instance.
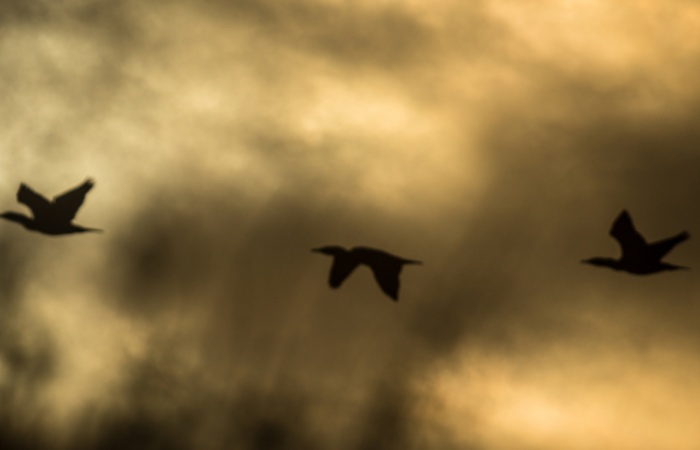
point(603, 262)
point(17, 217)
point(332, 250)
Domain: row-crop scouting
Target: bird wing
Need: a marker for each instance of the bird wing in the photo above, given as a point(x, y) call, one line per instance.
point(39, 205)
point(67, 204)
point(660, 248)
point(387, 276)
point(342, 268)
point(631, 242)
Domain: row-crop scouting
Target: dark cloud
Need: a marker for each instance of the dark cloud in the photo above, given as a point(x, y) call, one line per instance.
point(200, 241)
point(20, 439)
point(104, 19)
point(29, 362)
point(161, 408)
point(559, 175)
point(254, 293)
point(30, 11)
point(244, 344)
point(139, 433)
point(28, 358)
point(351, 34)
point(15, 266)
point(387, 420)
point(151, 413)
point(277, 419)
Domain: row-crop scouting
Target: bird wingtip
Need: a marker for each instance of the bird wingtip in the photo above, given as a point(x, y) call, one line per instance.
point(624, 214)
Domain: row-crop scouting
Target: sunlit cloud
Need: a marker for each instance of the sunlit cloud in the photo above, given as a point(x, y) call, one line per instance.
point(494, 140)
point(568, 398)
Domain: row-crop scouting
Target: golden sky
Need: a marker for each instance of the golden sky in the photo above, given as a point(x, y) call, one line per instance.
point(495, 140)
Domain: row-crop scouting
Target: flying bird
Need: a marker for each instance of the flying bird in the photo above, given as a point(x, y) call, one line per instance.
point(385, 266)
point(638, 257)
point(51, 217)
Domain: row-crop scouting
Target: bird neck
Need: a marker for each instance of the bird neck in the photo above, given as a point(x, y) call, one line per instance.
point(12, 216)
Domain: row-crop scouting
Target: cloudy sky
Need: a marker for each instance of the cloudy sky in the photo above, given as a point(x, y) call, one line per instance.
point(495, 140)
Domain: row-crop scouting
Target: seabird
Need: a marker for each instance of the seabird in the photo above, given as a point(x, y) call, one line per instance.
point(385, 266)
point(638, 257)
point(51, 217)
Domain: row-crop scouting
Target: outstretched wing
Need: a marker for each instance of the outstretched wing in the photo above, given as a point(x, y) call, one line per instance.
point(387, 276)
point(39, 205)
point(631, 242)
point(342, 267)
point(67, 204)
point(661, 248)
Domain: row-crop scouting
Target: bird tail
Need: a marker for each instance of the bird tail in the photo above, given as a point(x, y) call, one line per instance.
point(94, 230)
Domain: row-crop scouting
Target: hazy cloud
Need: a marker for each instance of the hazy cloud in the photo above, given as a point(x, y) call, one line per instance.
point(494, 141)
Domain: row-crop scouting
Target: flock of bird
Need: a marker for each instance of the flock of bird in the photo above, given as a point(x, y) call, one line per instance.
point(55, 217)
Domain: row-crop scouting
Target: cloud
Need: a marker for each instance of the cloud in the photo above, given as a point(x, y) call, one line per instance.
point(496, 142)
point(359, 34)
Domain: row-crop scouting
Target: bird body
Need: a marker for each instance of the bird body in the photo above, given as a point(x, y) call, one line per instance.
point(638, 257)
point(385, 266)
point(51, 217)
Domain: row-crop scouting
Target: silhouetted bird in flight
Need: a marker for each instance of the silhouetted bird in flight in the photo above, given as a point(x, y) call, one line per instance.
point(51, 217)
point(638, 257)
point(385, 266)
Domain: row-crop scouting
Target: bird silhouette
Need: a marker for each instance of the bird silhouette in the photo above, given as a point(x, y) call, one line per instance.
point(638, 257)
point(385, 266)
point(51, 217)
